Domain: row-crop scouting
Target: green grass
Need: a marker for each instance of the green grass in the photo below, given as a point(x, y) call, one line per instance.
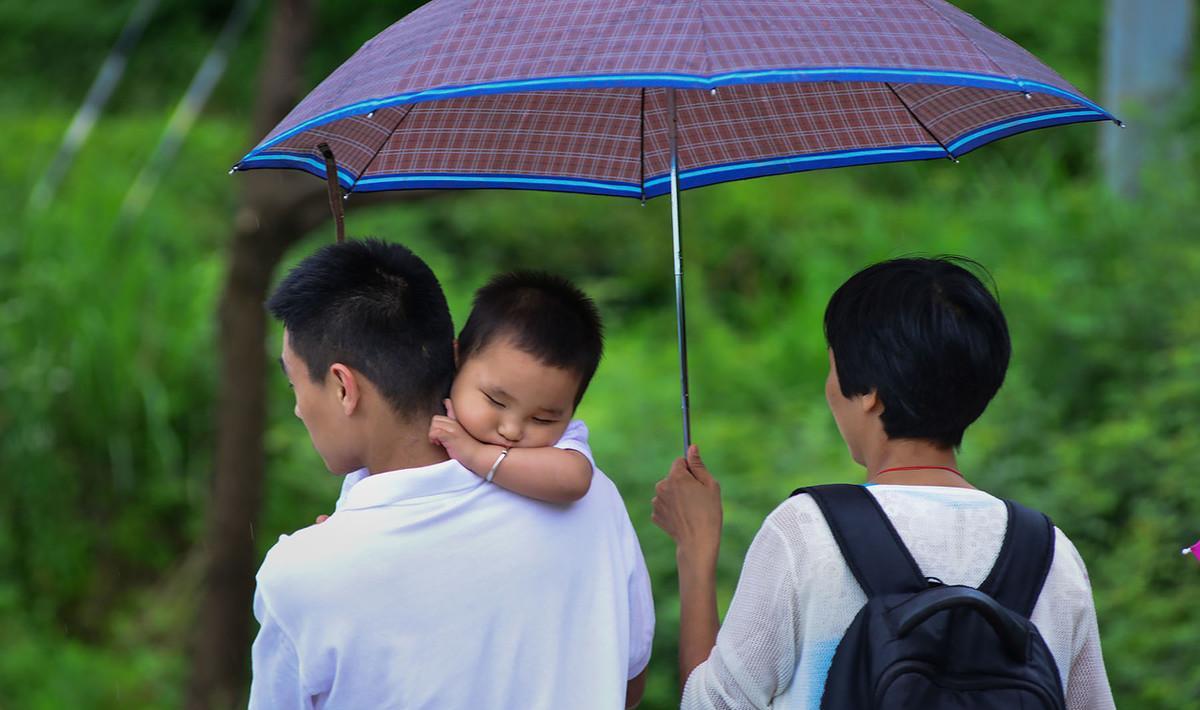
point(107, 363)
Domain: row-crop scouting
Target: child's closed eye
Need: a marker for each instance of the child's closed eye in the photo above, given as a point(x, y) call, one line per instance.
point(494, 401)
point(539, 420)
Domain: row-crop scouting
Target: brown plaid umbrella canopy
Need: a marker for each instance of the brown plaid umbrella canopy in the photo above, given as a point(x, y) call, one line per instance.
point(644, 97)
point(572, 95)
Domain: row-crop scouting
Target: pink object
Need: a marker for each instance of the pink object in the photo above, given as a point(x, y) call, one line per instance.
point(1194, 549)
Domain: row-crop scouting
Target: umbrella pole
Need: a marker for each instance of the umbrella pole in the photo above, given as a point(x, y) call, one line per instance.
point(680, 318)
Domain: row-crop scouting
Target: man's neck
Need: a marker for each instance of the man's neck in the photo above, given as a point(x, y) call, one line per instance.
point(402, 444)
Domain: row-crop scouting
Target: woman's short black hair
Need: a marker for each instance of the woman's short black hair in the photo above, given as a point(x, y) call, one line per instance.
point(928, 337)
point(377, 308)
point(541, 314)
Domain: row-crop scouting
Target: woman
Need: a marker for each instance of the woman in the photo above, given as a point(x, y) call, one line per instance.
point(917, 349)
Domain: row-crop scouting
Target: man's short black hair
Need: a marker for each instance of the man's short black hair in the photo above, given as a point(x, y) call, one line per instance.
point(376, 307)
point(541, 314)
point(928, 337)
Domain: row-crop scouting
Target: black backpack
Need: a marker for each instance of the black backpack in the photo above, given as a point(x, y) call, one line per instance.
point(919, 643)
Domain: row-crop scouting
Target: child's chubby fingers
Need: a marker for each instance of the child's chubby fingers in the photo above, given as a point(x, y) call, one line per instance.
point(444, 426)
point(444, 422)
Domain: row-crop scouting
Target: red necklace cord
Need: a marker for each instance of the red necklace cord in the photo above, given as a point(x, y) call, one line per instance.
point(921, 468)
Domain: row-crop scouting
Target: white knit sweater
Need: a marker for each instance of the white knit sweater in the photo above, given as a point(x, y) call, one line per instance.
point(796, 598)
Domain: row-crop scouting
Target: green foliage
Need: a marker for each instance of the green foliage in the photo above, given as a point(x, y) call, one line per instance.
point(107, 367)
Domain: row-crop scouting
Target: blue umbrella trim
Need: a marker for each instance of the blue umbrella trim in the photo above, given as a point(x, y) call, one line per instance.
point(997, 131)
point(684, 81)
point(428, 181)
point(660, 185)
point(295, 160)
point(699, 177)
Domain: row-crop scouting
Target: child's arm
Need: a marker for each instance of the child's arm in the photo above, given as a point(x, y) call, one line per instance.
point(545, 473)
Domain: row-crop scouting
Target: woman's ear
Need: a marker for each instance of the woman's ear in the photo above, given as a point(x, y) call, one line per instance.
point(349, 392)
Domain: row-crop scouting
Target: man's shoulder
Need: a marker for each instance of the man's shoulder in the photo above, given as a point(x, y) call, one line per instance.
point(301, 563)
point(604, 496)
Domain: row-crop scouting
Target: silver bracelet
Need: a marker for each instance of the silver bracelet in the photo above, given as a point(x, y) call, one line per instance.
point(492, 471)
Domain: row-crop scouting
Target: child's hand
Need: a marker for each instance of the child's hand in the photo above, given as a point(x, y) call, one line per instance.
point(459, 445)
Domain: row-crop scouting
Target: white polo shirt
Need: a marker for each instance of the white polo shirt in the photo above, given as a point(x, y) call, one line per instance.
point(429, 588)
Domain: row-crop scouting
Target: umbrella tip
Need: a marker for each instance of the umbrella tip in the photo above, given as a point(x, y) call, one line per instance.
point(713, 92)
point(371, 114)
point(233, 170)
point(1120, 124)
point(1028, 95)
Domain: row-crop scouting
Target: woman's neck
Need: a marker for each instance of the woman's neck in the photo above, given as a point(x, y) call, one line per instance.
point(914, 462)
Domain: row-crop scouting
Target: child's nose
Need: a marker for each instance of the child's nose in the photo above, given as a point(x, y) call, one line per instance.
point(511, 431)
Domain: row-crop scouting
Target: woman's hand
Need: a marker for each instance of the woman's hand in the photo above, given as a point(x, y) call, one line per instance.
point(688, 507)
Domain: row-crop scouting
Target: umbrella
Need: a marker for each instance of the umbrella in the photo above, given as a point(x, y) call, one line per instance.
point(640, 98)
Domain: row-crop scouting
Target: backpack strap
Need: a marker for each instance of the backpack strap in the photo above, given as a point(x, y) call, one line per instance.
point(870, 545)
point(1024, 561)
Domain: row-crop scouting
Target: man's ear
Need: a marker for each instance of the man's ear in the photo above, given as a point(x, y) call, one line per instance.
point(349, 389)
point(871, 403)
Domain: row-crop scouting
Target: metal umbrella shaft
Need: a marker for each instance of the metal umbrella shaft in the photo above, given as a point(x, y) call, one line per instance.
point(680, 316)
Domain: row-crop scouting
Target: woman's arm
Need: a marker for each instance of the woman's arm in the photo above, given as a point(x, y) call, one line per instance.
point(688, 507)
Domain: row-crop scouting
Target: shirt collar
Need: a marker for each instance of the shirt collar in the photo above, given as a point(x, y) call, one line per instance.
point(408, 484)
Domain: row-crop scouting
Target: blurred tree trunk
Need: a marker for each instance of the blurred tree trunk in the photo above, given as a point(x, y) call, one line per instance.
point(1146, 63)
point(269, 220)
point(278, 208)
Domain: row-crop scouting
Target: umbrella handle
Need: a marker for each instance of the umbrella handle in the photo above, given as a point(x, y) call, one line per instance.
point(335, 204)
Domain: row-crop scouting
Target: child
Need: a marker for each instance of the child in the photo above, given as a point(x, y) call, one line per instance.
point(425, 580)
point(525, 358)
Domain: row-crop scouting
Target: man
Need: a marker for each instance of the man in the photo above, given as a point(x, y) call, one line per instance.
point(429, 587)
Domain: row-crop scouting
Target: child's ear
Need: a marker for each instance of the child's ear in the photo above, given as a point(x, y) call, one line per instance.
point(349, 393)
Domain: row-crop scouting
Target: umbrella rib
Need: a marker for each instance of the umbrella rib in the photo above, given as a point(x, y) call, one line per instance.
point(918, 120)
point(386, 137)
point(642, 141)
point(973, 43)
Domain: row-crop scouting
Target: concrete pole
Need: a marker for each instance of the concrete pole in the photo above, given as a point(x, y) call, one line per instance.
point(1146, 67)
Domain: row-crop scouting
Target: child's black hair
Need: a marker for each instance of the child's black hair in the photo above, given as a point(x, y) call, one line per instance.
point(928, 337)
point(541, 314)
point(377, 308)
